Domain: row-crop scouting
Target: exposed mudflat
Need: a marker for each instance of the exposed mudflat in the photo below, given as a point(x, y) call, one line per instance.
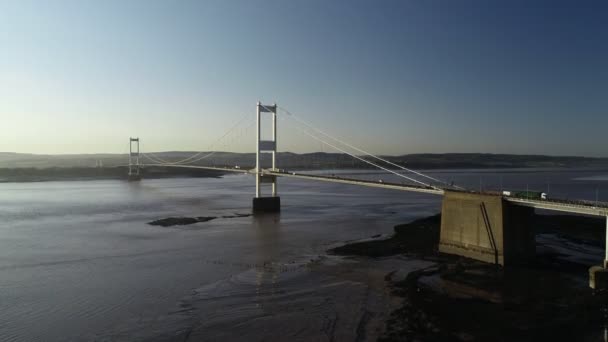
point(399, 288)
point(318, 298)
point(184, 221)
point(457, 299)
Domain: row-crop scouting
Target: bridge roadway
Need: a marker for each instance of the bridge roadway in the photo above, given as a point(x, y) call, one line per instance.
point(553, 204)
point(333, 179)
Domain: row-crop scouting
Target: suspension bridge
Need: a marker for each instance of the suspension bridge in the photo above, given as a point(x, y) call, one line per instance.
point(488, 226)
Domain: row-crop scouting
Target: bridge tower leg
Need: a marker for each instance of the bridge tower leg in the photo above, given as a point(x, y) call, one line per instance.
point(134, 174)
point(273, 203)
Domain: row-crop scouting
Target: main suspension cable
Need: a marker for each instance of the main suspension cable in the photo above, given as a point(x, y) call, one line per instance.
point(244, 130)
point(363, 160)
point(188, 160)
point(356, 148)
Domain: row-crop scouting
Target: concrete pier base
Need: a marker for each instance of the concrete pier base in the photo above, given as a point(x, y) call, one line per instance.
point(598, 278)
point(485, 227)
point(134, 178)
point(266, 205)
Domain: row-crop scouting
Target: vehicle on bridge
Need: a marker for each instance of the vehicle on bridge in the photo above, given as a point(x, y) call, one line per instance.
point(526, 194)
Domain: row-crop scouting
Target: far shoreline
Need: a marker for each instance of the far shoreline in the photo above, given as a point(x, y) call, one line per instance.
point(37, 175)
point(50, 174)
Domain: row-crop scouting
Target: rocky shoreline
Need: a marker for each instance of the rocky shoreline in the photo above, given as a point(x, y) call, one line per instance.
point(459, 299)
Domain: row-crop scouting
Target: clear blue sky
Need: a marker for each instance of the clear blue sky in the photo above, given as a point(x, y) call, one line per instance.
point(390, 76)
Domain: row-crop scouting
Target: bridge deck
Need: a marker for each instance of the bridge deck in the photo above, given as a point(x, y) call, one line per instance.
point(554, 204)
point(213, 168)
point(354, 181)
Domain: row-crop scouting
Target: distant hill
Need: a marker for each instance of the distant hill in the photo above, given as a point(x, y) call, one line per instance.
point(318, 160)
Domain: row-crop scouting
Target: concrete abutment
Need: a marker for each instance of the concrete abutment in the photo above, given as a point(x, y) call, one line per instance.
point(485, 227)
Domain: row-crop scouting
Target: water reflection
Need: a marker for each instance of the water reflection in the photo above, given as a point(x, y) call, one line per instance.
point(268, 236)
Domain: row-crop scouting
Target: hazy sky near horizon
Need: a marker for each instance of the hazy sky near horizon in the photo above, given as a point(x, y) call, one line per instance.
point(393, 77)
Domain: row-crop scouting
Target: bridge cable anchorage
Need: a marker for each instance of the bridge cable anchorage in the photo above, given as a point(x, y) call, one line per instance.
point(361, 150)
point(188, 160)
point(366, 161)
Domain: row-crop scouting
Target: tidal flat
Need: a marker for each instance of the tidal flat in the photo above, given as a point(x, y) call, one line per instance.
point(458, 299)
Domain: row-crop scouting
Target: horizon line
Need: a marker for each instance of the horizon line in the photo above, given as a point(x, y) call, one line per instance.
point(304, 153)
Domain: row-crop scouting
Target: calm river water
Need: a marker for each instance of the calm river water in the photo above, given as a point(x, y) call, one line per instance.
point(78, 260)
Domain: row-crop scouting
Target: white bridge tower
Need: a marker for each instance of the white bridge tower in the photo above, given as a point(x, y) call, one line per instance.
point(273, 203)
point(134, 159)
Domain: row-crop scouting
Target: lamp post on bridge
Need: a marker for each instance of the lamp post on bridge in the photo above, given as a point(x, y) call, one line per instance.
point(273, 203)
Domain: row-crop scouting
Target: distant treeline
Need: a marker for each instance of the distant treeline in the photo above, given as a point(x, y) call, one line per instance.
point(318, 160)
point(434, 161)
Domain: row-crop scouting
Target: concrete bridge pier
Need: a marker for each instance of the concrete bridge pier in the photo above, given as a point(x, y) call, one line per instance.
point(270, 204)
point(266, 205)
point(491, 229)
point(487, 228)
point(598, 275)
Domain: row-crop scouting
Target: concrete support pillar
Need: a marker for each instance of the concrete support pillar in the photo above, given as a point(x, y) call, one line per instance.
point(485, 227)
